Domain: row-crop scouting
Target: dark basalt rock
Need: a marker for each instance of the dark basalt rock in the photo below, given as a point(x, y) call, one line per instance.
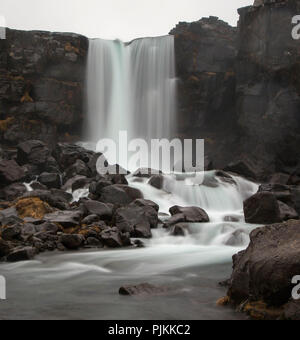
point(13, 191)
point(143, 289)
point(72, 241)
point(242, 168)
point(145, 203)
point(50, 180)
point(67, 218)
point(5, 248)
point(157, 181)
point(11, 233)
point(104, 211)
point(191, 214)
point(262, 208)
point(120, 194)
point(10, 172)
point(265, 270)
point(138, 221)
point(22, 254)
point(41, 81)
point(33, 152)
point(113, 238)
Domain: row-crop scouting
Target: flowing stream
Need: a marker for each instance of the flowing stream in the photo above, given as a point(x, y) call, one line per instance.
point(132, 87)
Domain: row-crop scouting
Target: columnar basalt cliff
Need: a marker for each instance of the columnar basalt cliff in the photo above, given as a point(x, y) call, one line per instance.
point(239, 88)
point(41, 85)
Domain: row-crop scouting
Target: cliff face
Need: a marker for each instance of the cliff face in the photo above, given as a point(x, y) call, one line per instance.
point(240, 89)
point(268, 84)
point(41, 85)
point(205, 57)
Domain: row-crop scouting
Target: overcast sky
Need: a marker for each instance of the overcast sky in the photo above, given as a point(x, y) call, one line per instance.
point(110, 19)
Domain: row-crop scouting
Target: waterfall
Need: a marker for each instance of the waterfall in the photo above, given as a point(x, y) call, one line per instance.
point(131, 87)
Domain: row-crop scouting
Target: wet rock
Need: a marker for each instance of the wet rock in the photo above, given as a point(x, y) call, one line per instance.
point(139, 244)
point(146, 203)
point(14, 191)
point(90, 220)
point(138, 221)
point(264, 271)
point(5, 248)
point(237, 238)
point(67, 218)
point(226, 178)
point(79, 168)
point(191, 214)
point(104, 211)
point(72, 241)
point(75, 183)
point(179, 218)
point(33, 152)
point(11, 233)
point(146, 173)
point(9, 216)
point(22, 254)
point(282, 192)
point(120, 194)
point(10, 172)
point(97, 187)
point(50, 228)
point(143, 289)
point(68, 154)
point(50, 180)
point(180, 230)
point(242, 168)
point(157, 181)
point(113, 238)
point(262, 208)
point(232, 218)
point(93, 242)
point(287, 213)
point(55, 198)
point(28, 229)
point(38, 186)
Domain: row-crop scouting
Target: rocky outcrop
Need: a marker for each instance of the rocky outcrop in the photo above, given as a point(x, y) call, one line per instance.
point(239, 89)
point(263, 274)
point(41, 86)
point(205, 60)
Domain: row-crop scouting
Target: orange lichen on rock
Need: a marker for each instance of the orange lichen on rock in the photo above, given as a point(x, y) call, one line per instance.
point(5, 124)
point(32, 207)
point(259, 310)
point(26, 98)
point(70, 48)
point(225, 301)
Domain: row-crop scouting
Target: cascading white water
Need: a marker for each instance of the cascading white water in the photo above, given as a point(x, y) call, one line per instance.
point(131, 87)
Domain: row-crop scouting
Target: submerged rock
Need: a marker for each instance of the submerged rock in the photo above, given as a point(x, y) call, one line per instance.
point(143, 289)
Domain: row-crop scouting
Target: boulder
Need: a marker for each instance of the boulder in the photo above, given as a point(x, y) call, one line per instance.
point(282, 192)
point(75, 183)
point(11, 233)
point(4, 248)
point(113, 238)
point(14, 191)
point(97, 187)
point(146, 203)
point(180, 230)
point(89, 220)
point(56, 198)
point(21, 254)
point(143, 289)
point(10, 172)
point(104, 211)
point(191, 214)
point(179, 218)
point(72, 241)
point(50, 180)
point(120, 194)
point(138, 221)
point(157, 181)
point(32, 207)
point(67, 218)
point(264, 271)
point(262, 208)
point(79, 168)
point(33, 152)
